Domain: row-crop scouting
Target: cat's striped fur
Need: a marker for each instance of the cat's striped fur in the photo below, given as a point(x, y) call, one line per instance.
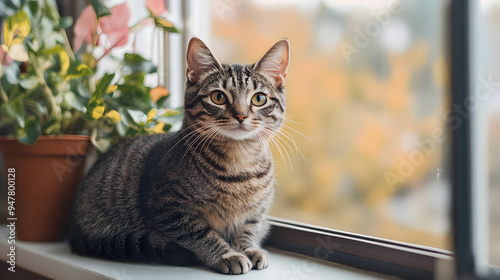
point(199, 195)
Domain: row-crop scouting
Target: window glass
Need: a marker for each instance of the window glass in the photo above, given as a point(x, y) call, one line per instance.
point(367, 106)
point(486, 90)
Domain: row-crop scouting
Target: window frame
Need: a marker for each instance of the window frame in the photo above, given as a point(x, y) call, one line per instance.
point(405, 260)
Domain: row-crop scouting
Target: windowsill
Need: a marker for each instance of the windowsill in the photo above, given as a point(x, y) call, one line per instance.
point(54, 260)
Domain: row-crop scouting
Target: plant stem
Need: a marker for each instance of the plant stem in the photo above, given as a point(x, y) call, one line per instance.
point(138, 23)
point(2, 93)
point(67, 46)
point(55, 15)
point(53, 108)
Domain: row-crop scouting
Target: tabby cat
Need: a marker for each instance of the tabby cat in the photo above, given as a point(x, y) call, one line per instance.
point(200, 195)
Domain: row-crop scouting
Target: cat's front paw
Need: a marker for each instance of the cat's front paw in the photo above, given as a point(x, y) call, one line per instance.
point(258, 257)
point(233, 263)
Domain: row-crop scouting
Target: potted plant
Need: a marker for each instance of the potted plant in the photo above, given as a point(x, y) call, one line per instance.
point(55, 106)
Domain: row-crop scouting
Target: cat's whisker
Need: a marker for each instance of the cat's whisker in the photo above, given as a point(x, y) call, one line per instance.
point(290, 137)
point(212, 136)
point(200, 137)
point(277, 136)
point(278, 146)
point(279, 141)
point(289, 127)
point(185, 136)
point(290, 120)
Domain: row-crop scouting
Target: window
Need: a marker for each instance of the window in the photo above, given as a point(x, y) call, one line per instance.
point(369, 83)
point(484, 111)
point(366, 101)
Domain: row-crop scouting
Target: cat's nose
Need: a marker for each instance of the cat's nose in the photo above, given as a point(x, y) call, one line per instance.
point(240, 117)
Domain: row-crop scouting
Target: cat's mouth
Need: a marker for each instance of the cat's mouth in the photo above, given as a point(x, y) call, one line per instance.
point(239, 132)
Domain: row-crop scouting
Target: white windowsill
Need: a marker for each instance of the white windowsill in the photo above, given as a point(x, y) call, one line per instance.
point(55, 260)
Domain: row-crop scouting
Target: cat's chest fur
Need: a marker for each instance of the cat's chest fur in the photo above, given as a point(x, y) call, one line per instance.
point(246, 189)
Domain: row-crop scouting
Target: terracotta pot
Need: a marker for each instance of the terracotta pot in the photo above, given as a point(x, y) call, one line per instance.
point(47, 175)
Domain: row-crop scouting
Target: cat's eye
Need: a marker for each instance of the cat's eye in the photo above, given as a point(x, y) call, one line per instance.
point(218, 97)
point(259, 99)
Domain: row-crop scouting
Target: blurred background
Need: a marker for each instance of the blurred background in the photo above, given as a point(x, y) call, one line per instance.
point(368, 107)
point(367, 87)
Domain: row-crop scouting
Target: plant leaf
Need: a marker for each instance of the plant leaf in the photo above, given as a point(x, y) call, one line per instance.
point(152, 114)
point(102, 144)
point(63, 57)
point(10, 7)
point(103, 84)
point(33, 9)
point(138, 117)
point(65, 22)
point(77, 69)
point(156, 7)
point(16, 28)
point(100, 9)
point(136, 63)
point(121, 128)
point(51, 126)
point(85, 28)
point(73, 101)
point(158, 128)
point(15, 110)
point(29, 135)
point(166, 25)
point(158, 92)
point(114, 116)
point(95, 107)
point(111, 89)
point(29, 82)
point(18, 52)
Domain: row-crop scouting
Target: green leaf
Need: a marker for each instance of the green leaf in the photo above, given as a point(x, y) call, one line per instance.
point(100, 9)
point(63, 57)
point(29, 83)
point(52, 125)
point(11, 73)
point(121, 128)
point(10, 7)
point(73, 101)
point(29, 135)
point(83, 91)
point(16, 28)
point(103, 84)
point(138, 117)
point(15, 110)
point(136, 63)
point(166, 25)
point(65, 22)
point(77, 69)
point(96, 107)
point(33, 8)
point(102, 144)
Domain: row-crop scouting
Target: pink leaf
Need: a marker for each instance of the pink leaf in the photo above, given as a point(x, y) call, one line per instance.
point(115, 26)
point(156, 7)
point(120, 14)
point(5, 59)
point(118, 38)
point(85, 27)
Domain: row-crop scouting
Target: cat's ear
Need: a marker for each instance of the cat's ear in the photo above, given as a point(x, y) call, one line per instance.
point(274, 63)
point(199, 60)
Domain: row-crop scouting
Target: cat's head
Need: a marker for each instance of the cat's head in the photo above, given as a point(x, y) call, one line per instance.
point(235, 101)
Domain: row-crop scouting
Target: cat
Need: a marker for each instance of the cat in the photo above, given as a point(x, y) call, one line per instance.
point(200, 195)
